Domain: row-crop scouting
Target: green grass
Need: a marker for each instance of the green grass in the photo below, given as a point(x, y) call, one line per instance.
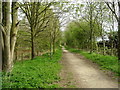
point(105, 62)
point(42, 72)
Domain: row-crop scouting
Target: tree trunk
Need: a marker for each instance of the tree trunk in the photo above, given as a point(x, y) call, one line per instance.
point(8, 35)
point(102, 32)
point(54, 42)
point(50, 45)
point(119, 32)
point(103, 44)
point(54, 46)
point(16, 55)
point(16, 52)
point(119, 41)
point(112, 32)
point(118, 20)
point(7, 65)
point(14, 29)
point(91, 30)
point(32, 45)
point(0, 36)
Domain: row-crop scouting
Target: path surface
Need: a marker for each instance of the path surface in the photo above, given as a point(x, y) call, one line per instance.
point(86, 73)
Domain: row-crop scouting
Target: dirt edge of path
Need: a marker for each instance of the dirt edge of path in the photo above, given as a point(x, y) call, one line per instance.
point(67, 78)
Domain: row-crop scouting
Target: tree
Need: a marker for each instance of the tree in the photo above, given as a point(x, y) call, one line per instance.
point(77, 34)
point(88, 14)
point(36, 15)
point(55, 32)
point(111, 6)
point(46, 30)
point(113, 37)
point(7, 64)
point(0, 36)
point(14, 28)
point(101, 22)
point(23, 44)
point(8, 35)
point(91, 26)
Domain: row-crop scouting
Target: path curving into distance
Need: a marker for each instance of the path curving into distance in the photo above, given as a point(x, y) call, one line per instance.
point(86, 73)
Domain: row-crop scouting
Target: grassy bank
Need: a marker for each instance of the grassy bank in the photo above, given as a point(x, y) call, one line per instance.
point(42, 72)
point(106, 62)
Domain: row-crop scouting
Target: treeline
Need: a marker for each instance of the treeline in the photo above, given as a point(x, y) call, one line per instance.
point(37, 32)
point(44, 33)
point(95, 28)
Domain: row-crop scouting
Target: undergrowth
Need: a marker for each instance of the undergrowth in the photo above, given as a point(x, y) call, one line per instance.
point(42, 72)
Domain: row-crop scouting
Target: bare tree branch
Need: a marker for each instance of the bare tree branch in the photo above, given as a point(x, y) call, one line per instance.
point(113, 11)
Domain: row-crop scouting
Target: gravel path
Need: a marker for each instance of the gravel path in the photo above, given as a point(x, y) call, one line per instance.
point(86, 73)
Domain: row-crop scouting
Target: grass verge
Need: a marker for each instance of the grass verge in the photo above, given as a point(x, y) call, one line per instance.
point(105, 62)
point(42, 72)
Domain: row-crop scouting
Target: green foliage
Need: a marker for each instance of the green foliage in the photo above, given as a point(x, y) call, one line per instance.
point(42, 72)
point(106, 62)
point(42, 28)
point(77, 34)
